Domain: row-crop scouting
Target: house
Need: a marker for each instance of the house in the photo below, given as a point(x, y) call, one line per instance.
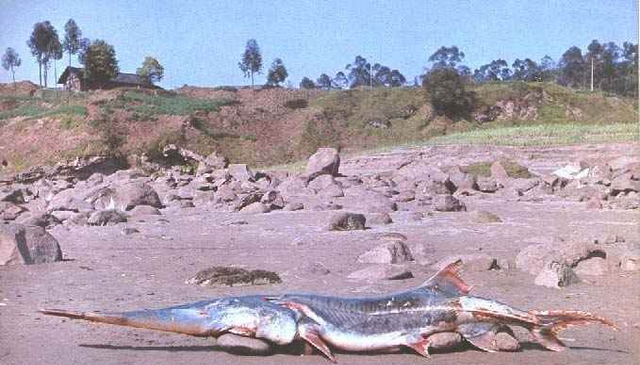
point(73, 79)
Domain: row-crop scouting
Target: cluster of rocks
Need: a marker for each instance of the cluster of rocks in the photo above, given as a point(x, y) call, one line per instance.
point(559, 263)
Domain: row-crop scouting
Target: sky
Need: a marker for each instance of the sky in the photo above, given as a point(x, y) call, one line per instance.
point(200, 42)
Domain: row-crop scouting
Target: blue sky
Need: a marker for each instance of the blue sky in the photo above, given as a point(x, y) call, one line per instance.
point(200, 42)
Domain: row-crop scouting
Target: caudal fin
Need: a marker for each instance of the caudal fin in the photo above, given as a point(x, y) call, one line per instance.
point(182, 320)
point(552, 322)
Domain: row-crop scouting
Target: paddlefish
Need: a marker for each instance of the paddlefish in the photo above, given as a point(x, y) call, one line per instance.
point(411, 318)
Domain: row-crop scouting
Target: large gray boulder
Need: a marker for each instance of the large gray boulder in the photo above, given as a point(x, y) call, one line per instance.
point(347, 222)
point(128, 196)
point(394, 252)
point(28, 245)
point(324, 161)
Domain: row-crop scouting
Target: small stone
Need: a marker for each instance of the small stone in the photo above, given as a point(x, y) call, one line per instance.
point(243, 345)
point(347, 222)
point(129, 231)
point(293, 207)
point(106, 217)
point(379, 219)
point(444, 340)
point(506, 342)
point(448, 203)
point(256, 208)
point(144, 210)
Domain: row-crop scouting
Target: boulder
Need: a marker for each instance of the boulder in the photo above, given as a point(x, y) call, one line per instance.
point(106, 217)
point(242, 345)
point(144, 210)
point(128, 196)
point(498, 171)
point(556, 274)
point(273, 200)
point(293, 206)
point(256, 208)
point(534, 258)
point(43, 220)
point(241, 172)
point(347, 222)
point(630, 260)
point(10, 211)
point(393, 252)
point(471, 262)
point(448, 203)
point(20, 244)
point(324, 161)
point(487, 185)
point(624, 183)
point(381, 272)
point(594, 266)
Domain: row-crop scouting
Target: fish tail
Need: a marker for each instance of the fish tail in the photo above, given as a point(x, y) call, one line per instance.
point(167, 320)
point(550, 323)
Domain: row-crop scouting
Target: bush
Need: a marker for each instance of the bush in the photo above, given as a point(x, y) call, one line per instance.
point(296, 103)
point(447, 93)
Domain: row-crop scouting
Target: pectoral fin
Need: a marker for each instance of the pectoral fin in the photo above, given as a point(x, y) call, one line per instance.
point(309, 333)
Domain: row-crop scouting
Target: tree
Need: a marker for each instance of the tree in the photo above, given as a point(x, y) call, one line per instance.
point(11, 60)
point(324, 82)
point(72, 38)
point(548, 69)
point(384, 76)
point(629, 69)
point(251, 62)
point(100, 64)
point(307, 83)
point(447, 92)
point(40, 44)
point(85, 43)
point(610, 57)
point(572, 68)
point(151, 70)
point(340, 81)
point(446, 57)
point(277, 73)
point(54, 53)
point(526, 70)
point(497, 70)
point(359, 72)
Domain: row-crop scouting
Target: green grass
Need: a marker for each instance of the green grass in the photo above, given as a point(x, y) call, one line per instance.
point(26, 110)
point(545, 135)
point(171, 105)
point(512, 168)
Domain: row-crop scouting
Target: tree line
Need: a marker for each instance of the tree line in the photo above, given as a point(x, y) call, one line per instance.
point(604, 66)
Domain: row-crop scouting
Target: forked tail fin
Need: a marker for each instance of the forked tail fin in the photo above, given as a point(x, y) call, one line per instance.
point(186, 321)
point(552, 322)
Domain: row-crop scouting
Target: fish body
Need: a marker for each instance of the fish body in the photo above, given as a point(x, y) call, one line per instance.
point(249, 316)
point(409, 318)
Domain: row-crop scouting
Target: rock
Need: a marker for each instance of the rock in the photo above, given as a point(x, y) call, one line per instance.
point(241, 172)
point(381, 272)
point(43, 220)
point(331, 191)
point(129, 231)
point(448, 203)
point(106, 217)
point(347, 222)
point(324, 161)
point(622, 162)
point(247, 200)
point(471, 262)
point(256, 208)
point(392, 236)
point(630, 260)
point(595, 266)
point(293, 206)
point(321, 182)
point(379, 219)
point(498, 171)
point(487, 185)
point(533, 258)
point(506, 342)
point(241, 345)
point(444, 340)
point(10, 211)
point(626, 201)
point(273, 200)
point(212, 162)
point(624, 184)
point(315, 268)
point(481, 216)
point(28, 245)
point(233, 276)
point(571, 172)
point(125, 175)
point(226, 194)
point(594, 204)
point(393, 252)
point(144, 210)
point(128, 196)
point(556, 274)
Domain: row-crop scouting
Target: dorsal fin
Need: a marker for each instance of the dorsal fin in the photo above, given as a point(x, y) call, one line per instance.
point(448, 278)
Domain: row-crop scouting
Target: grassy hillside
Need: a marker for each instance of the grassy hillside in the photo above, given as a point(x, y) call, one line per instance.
point(274, 126)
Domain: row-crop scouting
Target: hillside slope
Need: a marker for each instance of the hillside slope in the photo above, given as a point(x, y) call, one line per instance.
point(268, 126)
